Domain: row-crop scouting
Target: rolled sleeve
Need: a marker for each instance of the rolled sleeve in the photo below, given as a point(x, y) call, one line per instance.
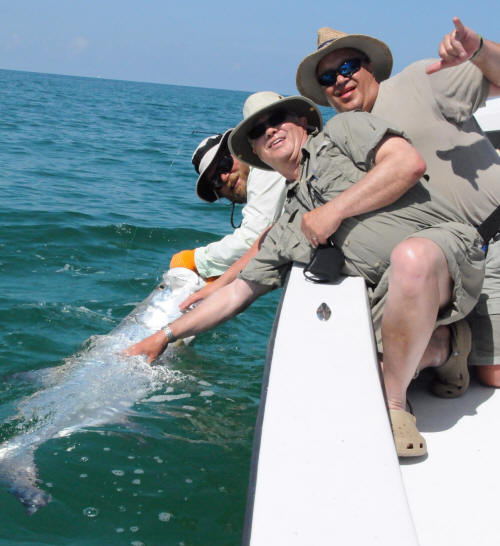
point(357, 135)
point(459, 91)
point(284, 244)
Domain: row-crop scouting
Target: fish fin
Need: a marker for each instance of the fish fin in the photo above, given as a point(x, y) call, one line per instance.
point(19, 474)
point(44, 377)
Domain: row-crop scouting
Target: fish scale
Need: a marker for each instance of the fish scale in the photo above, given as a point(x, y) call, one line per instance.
point(113, 383)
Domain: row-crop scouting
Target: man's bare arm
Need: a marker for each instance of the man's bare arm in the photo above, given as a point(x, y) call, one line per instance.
point(227, 277)
point(460, 45)
point(227, 302)
point(398, 167)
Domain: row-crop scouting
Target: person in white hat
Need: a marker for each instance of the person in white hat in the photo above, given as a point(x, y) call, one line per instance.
point(223, 176)
point(433, 101)
point(436, 262)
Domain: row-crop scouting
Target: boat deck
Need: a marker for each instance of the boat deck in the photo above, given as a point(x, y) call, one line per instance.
point(324, 468)
point(453, 492)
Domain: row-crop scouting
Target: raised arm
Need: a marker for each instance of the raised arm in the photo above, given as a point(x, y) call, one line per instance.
point(397, 167)
point(463, 44)
point(227, 302)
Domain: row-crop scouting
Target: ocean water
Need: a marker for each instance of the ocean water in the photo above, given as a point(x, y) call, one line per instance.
point(97, 193)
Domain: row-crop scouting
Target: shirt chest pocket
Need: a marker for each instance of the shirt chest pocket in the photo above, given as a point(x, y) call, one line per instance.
point(292, 243)
point(324, 185)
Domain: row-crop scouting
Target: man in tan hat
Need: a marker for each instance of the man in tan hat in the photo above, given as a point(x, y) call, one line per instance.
point(436, 262)
point(223, 176)
point(433, 102)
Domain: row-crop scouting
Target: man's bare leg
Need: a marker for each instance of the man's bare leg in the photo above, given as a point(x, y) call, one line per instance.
point(438, 350)
point(489, 374)
point(419, 285)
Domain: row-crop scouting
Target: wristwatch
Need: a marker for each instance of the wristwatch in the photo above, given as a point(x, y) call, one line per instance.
point(170, 335)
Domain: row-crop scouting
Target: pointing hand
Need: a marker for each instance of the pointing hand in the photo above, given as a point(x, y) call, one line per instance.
point(456, 48)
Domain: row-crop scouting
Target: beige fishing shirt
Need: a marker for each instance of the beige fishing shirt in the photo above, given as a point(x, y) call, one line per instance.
point(335, 159)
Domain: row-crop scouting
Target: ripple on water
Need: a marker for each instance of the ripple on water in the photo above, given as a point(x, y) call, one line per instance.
point(88, 231)
point(91, 512)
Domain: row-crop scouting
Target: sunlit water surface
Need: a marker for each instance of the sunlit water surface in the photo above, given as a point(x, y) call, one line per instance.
point(97, 193)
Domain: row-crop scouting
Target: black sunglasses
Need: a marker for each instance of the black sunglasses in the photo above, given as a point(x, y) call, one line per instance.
point(225, 165)
point(276, 118)
point(346, 69)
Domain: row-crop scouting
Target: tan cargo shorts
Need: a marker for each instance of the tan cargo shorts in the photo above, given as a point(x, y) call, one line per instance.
point(462, 247)
point(484, 320)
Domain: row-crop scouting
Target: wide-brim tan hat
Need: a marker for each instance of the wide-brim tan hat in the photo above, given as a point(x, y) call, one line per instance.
point(330, 40)
point(256, 106)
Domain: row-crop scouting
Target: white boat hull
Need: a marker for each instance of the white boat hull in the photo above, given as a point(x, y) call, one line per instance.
point(325, 470)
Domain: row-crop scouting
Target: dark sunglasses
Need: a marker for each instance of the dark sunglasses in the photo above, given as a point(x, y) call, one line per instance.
point(346, 69)
point(225, 165)
point(274, 119)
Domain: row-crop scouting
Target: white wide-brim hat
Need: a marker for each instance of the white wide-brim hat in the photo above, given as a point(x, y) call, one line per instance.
point(256, 106)
point(205, 160)
point(330, 40)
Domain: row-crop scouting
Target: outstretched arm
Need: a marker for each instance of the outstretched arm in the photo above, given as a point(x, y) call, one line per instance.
point(398, 167)
point(229, 276)
point(227, 302)
point(463, 44)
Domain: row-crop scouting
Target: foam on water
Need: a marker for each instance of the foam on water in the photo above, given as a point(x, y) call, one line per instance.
point(113, 383)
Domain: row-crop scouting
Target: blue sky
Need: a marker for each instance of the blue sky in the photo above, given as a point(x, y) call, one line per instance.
point(229, 45)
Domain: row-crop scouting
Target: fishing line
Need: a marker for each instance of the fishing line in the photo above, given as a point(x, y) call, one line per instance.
point(232, 216)
point(182, 146)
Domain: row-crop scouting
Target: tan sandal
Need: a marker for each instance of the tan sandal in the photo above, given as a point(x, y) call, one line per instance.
point(408, 440)
point(452, 378)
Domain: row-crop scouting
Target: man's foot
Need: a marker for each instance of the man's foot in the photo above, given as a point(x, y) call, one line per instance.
point(452, 378)
point(489, 375)
point(408, 440)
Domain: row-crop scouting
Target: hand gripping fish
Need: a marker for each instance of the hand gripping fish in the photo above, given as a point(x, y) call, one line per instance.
point(92, 388)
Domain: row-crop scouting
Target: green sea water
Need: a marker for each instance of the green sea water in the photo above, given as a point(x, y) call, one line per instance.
point(97, 193)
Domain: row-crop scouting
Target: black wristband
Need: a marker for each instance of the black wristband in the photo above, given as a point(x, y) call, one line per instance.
point(476, 53)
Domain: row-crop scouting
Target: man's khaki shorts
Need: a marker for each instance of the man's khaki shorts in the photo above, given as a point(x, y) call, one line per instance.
point(462, 247)
point(484, 320)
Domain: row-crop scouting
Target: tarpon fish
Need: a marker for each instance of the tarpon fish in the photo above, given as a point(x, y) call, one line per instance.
point(92, 388)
